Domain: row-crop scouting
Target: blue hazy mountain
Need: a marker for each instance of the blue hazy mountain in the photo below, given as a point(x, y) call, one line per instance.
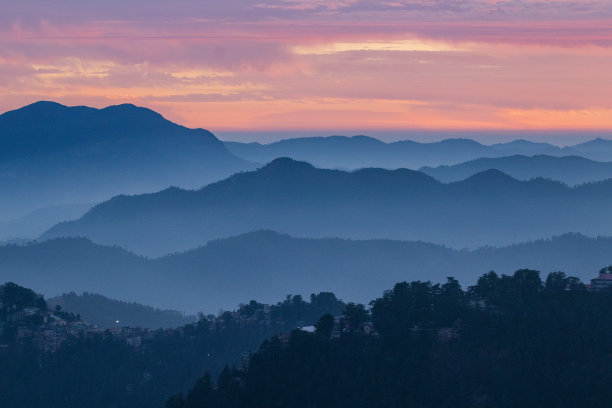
point(528, 146)
point(53, 154)
point(571, 170)
point(266, 266)
point(363, 151)
point(489, 208)
point(597, 149)
point(30, 226)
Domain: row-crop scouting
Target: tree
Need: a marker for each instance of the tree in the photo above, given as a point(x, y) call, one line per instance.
point(325, 325)
point(355, 314)
point(607, 269)
point(487, 289)
point(557, 281)
point(249, 309)
point(175, 401)
point(201, 394)
point(450, 303)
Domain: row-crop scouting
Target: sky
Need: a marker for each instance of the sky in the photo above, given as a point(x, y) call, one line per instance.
point(327, 66)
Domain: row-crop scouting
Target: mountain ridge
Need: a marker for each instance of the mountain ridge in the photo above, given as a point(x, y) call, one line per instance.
point(298, 198)
point(266, 265)
point(353, 152)
point(571, 170)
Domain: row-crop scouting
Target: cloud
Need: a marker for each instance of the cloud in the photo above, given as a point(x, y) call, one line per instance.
point(314, 63)
point(398, 45)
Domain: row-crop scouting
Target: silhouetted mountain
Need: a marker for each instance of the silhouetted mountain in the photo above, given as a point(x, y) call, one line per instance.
point(265, 265)
point(571, 170)
point(53, 154)
point(363, 151)
point(106, 313)
point(293, 197)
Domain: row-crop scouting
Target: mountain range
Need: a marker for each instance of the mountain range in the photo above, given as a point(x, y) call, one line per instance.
point(266, 266)
point(571, 170)
point(357, 152)
point(489, 208)
point(52, 154)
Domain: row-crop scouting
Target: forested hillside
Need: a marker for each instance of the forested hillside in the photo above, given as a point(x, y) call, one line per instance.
point(508, 341)
point(52, 359)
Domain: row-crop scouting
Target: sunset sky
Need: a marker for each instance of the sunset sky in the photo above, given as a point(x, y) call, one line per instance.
point(235, 65)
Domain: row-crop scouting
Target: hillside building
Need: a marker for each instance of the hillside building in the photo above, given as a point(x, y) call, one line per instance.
point(604, 281)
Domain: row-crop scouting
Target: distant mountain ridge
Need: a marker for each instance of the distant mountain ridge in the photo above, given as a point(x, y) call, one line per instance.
point(363, 151)
point(54, 154)
point(489, 208)
point(596, 149)
point(571, 170)
point(266, 265)
point(38, 221)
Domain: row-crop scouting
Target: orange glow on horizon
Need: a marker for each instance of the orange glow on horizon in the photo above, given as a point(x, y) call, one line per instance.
point(300, 65)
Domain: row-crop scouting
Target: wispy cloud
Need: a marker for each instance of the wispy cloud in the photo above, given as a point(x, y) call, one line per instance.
point(318, 64)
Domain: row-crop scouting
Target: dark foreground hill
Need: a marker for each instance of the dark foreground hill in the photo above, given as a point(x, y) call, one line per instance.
point(51, 358)
point(570, 170)
point(489, 208)
point(54, 154)
point(509, 341)
point(265, 266)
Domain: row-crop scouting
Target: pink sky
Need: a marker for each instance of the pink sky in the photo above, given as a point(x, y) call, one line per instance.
point(320, 65)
